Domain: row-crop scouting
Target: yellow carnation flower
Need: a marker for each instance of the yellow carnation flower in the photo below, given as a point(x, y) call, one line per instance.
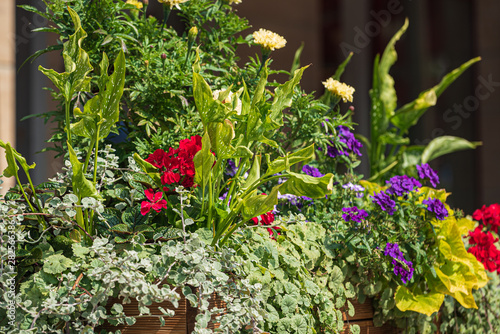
point(172, 3)
point(340, 89)
point(268, 39)
point(136, 3)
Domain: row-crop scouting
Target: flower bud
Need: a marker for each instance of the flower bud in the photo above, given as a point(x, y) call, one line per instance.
point(163, 56)
point(193, 32)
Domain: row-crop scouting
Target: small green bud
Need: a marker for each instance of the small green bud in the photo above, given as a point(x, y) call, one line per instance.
point(193, 32)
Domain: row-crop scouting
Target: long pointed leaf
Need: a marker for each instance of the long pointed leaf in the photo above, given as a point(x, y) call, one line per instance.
point(444, 145)
point(409, 114)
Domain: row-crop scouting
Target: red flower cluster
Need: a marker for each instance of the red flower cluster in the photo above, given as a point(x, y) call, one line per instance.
point(266, 219)
point(485, 250)
point(176, 166)
point(489, 215)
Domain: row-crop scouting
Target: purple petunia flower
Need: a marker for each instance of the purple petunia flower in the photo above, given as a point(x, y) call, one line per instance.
point(426, 172)
point(312, 171)
point(436, 206)
point(352, 145)
point(400, 185)
point(231, 168)
point(385, 202)
point(402, 267)
point(354, 214)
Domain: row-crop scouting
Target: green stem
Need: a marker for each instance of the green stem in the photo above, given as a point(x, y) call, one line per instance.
point(87, 158)
point(265, 56)
point(210, 201)
point(94, 180)
point(40, 220)
point(238, 173)
point(257, 185)
point(68, 125)
point(166, 14)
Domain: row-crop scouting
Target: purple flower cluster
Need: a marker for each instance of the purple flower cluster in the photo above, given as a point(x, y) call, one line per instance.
point(385, 202)
point(436, 206)
point(402, 267)
point(355, 187)
point(426, 172)
point(231, 168)
point(354, 214)
point(400, 185)
point(312, 171)
point(351, 143)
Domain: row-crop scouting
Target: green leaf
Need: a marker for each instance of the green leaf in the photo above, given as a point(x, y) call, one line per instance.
point(56, 264)
point(103, 109)
point(221, 135)
point(409, 114)
point(284, 163)
point(427, 304)
point(110, 98)
point(288, 304)
point(11, 155)
point(210, 110)
point(203, 162)
point(81, 186)
point(446, 144)
point(306, 185)
point(296, 59)
point(259, 204)
point(133, 217)
point(76, 63)
point(341, 68)
point(387, 92)
point(283, 95)
point(254, 174)
point(79, 250)
point(148, 168)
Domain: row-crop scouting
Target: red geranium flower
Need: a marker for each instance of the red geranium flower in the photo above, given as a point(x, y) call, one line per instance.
point(155, 202)
point(266, 219)
point(489, 215)
point(176, 166)
point(484, 249)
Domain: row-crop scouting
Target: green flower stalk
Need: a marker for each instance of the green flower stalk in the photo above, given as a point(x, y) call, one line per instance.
point(193, 32)
point(268, 41)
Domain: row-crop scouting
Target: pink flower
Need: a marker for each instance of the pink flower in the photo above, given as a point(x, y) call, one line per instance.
point(155, 202)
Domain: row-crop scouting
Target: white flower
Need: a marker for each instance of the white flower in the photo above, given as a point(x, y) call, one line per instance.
point(172, 3)
point(339, 88)
point(229, 100)
point(268, 39)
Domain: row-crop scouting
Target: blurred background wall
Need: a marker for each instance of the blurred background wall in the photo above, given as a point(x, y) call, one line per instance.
point(442, 35)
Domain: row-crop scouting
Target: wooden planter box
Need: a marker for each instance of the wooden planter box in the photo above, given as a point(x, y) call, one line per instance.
point(364, 318)
point(184, 319)
point(181, 323)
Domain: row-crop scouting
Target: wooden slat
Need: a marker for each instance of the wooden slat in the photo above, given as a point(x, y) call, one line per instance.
point(174, 325)
point(367, 327)
point(362, 311)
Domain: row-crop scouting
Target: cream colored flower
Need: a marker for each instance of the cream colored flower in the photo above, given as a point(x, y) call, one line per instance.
point(339, 88)
point(234, 1)
point(229, 100)
point(172, 3)
point(136, 3)
point(268, 39)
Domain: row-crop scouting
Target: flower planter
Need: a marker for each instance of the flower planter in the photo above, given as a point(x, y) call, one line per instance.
point(364, 318)
point(181, 323)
